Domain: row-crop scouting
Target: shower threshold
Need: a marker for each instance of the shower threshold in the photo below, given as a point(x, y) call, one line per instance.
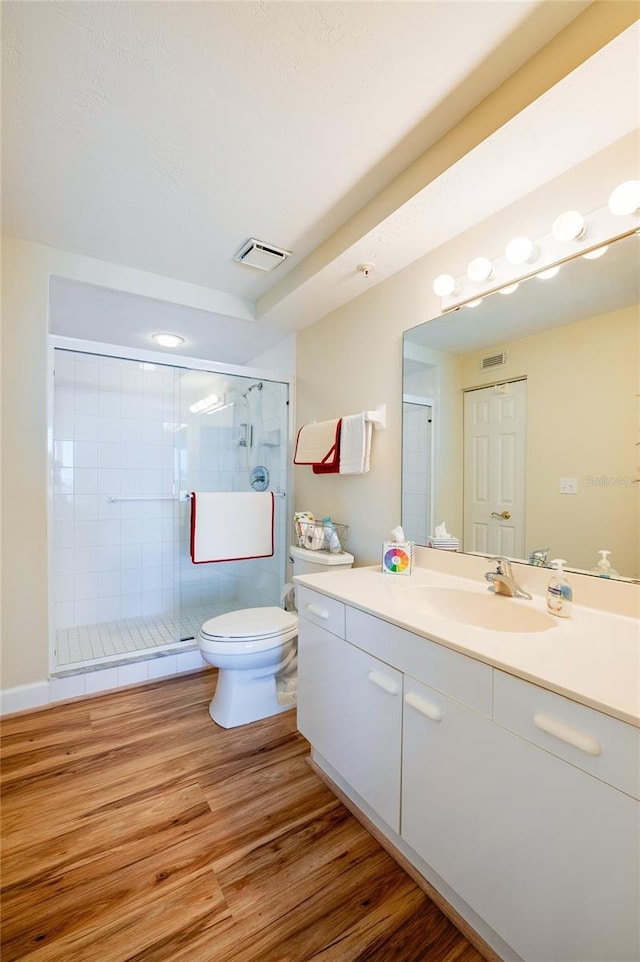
point(89, 647)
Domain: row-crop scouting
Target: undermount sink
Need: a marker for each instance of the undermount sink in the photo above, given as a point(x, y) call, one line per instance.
point(482, 609)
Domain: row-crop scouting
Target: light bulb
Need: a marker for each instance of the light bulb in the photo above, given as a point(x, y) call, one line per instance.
point(596, 253)
point(625, 199)
point(520, 250)
point(474, 303)
point(569, 226)
point(167, 340)
point(444, 285)
point(509, 289)
point(549, 273)
point(479, 269)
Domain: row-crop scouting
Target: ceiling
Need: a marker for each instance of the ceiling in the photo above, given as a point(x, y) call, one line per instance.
point(160, 136)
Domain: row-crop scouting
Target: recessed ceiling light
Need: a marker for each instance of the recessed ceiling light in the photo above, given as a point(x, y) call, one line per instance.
point(167, 340)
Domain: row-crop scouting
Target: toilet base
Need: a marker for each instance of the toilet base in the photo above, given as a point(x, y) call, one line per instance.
point(242, 697)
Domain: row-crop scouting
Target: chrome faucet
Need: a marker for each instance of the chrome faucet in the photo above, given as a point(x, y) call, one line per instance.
point(503, 581)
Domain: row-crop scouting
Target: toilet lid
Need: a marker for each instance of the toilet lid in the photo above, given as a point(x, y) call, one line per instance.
point(250, 623)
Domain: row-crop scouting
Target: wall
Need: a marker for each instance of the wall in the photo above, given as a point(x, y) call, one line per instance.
point(26, 269)
point(357, 349)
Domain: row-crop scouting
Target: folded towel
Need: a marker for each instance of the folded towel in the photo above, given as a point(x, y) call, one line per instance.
point(355, 444)
point(319, 443)
point(231, 525)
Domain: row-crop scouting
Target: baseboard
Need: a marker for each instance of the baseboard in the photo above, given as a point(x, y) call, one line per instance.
point(25, 697)
point(59, 690)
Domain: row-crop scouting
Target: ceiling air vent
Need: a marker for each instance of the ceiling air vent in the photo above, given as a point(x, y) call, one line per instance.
point(265, 257)
point(493, 360)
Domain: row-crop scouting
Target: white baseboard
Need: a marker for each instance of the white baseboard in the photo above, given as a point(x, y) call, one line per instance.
point(67, 687)
point(24, 697)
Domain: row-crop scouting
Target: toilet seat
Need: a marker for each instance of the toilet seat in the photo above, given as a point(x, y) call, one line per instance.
point(250, 629)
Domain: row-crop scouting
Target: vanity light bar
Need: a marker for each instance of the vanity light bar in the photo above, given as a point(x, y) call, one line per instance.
point(597, 229)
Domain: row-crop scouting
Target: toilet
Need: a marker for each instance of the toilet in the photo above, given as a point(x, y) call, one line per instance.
point(255, 651)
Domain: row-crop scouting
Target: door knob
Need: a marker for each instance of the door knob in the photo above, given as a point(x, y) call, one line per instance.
point(505, 515)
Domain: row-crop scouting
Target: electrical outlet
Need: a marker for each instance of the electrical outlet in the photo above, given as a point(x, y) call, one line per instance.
point(568, 485)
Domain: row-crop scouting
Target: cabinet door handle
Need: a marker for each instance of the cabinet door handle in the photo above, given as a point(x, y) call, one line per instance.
point(423, 706)
point(566, 733)
point(320, 612)
point(387, 684)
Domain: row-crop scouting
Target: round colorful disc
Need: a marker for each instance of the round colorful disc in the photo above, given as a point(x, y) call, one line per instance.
point(396, 559)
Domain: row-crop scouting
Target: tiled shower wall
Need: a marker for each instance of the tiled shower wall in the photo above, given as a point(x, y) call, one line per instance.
point(113, 437)
point(124, 430)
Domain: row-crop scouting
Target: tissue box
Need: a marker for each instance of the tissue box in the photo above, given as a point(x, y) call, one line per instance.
point(397, 557)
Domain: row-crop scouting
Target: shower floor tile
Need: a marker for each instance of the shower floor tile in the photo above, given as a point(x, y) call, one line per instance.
point(128, 635)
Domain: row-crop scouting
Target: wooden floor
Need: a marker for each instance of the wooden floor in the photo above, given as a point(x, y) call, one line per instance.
point(134, 828)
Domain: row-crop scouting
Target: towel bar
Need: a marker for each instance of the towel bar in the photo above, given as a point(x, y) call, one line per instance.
point(184, 496)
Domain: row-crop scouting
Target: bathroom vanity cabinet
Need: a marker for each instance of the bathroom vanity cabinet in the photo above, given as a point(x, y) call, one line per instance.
point(523, 801)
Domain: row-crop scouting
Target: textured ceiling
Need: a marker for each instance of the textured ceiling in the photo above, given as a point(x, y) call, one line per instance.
point(162, 135)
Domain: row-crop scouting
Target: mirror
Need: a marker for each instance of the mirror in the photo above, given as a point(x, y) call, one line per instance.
point(520, 418)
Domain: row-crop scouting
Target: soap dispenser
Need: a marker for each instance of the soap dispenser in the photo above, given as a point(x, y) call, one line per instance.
point(559, 593)
point(603, 569)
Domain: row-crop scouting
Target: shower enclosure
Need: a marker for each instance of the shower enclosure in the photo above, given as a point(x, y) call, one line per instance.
point(130, 439)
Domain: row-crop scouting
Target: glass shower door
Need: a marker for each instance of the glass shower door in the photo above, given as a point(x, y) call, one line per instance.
point(229, 426)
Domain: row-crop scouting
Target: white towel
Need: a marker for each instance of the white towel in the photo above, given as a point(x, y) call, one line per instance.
point(317, 443)
point(355, 444)
point(231, 525)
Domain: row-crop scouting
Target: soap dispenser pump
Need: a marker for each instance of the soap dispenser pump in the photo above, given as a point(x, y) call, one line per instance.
point(603, 569)
point(559, 593)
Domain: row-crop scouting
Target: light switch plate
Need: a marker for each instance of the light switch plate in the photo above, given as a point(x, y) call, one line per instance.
point(568, 485)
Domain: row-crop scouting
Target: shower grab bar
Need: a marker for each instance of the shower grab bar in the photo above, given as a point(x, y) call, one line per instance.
point(183, 497)
point(150, 497)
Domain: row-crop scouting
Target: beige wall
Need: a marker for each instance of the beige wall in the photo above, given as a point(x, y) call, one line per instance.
point(24, 463)
point(581, 423)
point(26, 269)
point(352, 359)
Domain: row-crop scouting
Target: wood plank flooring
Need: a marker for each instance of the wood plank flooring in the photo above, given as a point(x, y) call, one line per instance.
point(136, 829)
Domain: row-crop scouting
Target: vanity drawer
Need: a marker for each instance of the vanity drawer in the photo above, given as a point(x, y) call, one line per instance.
point(321, 610)
point(590, 740)
point(462, 678)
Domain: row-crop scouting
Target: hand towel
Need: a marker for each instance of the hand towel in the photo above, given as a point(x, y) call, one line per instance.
point(231, 525)
point(318, 443)
point(332, 464)
point(355, 444)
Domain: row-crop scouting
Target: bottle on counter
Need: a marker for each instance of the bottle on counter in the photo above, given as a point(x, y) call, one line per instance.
point(559, 593)
point(603, 569)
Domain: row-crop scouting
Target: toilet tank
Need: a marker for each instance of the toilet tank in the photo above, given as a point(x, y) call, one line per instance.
point(306, 562)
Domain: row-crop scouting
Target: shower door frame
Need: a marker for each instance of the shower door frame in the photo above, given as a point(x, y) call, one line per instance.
point(149, 356)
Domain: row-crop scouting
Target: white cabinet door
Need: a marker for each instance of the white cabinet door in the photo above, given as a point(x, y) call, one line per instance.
point(546, 854)
point(350, 709)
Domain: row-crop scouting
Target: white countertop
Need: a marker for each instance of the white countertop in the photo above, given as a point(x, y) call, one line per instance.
point(592, 657)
